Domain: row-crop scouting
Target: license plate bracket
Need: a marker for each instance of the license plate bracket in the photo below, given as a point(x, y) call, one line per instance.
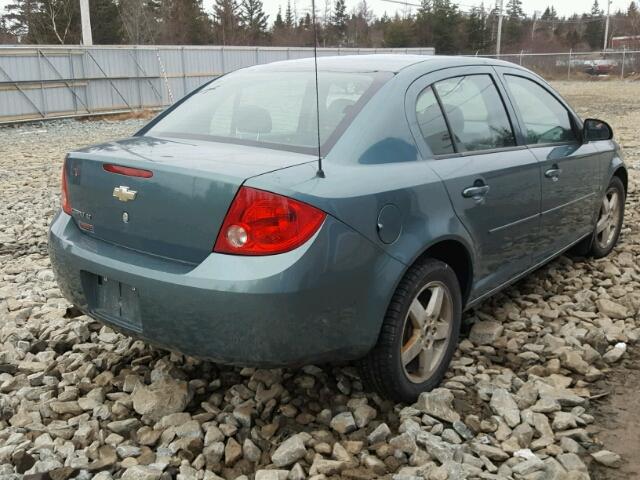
point(112, 300)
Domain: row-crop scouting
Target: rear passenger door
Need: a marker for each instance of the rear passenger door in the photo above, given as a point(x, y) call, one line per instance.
point(464, 129)
point(568, 168)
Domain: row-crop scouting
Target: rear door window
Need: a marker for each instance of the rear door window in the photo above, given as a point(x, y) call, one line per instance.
point(475, 112)
point(432, 123)
point(545, 119)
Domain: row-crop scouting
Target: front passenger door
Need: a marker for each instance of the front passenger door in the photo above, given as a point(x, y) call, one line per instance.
point(568, 168)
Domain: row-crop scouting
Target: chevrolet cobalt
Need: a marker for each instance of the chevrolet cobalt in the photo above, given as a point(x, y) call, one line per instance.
point(260, 221)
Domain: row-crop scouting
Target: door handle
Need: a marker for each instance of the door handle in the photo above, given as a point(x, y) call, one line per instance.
point(553, 173)
point(476, 192)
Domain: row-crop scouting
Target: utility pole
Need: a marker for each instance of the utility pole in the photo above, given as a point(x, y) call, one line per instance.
point(499, 39)
point(606, 25)
point(85, 22)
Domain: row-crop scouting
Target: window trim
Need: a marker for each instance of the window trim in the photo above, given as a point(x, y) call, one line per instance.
point(457, 153)
point(570, 114)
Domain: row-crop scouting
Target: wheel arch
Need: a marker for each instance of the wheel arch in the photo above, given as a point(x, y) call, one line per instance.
point(623, 175)
point(457, 254)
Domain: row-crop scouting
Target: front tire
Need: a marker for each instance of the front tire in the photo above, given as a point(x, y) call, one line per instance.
point(610, 217)
point(419, 334)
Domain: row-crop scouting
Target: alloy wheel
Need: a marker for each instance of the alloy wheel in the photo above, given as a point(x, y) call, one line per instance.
point(427, 331)
point(609, 219)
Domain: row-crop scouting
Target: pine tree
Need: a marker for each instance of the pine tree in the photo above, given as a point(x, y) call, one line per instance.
point(478, 32)
point(5, 35)
point(20, 17)
point(253, 20)
point(514, 9)
point(633, 19)
point(446, 19)
point(289, 20)
point(513, 27)
point(423, 24)
point(339, 21)
point(44, 21)
point(549, 14)
point(437, 24)
point(106, 25)
point(278, 24)
point(397, 32)
point(226, 21)
point(184, 22)
point(594, 33)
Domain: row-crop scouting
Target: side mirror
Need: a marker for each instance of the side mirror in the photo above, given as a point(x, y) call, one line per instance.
point(595, 130)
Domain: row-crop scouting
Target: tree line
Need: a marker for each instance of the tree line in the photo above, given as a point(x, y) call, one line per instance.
point(438, 23)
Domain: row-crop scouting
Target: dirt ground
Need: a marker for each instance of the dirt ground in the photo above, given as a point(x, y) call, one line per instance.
point(617, 424)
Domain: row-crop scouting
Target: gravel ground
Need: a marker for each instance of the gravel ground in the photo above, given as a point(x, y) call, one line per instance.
point(526, 396)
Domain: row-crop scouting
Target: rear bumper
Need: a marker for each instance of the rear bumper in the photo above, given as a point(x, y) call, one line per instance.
point(324, 301)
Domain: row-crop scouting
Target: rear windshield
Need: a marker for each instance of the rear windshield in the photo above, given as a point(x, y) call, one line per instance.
point(275, 109)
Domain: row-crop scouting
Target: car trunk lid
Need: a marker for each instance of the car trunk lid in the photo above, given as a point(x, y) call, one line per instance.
point(177, 211)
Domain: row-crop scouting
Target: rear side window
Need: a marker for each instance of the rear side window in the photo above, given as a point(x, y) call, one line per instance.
point(545, 119)
point(432, 124)
point(476, 114)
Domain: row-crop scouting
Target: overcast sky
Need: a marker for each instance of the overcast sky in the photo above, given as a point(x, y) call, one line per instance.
point(379, 7)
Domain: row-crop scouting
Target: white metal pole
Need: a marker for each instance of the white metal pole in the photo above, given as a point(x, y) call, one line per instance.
point(499, 39)
point(606, 25)
point(85, 21)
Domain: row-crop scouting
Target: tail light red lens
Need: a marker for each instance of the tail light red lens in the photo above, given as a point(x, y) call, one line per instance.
point(65, 202)
point(263, 223)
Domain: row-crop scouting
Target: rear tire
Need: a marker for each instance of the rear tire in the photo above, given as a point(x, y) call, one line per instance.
point(419, 334)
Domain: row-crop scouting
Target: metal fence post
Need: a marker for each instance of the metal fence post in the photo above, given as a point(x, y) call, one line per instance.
point(43, 98)
point(83, 64)
point(137, 62)
point(73, 81)
point(569, 66)
point(624, 51)
point(184, 72)
point(521, 52)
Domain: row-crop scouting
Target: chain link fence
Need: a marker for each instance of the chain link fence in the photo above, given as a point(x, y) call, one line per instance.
point(579, 65)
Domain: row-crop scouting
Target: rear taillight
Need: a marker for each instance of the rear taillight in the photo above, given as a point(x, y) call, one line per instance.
point(65, 202)
point(263, 223)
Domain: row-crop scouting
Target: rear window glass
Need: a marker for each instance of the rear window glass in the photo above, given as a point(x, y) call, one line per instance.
point(272, 108)
point(476, 114)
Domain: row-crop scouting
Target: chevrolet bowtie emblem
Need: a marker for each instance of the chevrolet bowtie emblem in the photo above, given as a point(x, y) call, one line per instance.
point(124, 194)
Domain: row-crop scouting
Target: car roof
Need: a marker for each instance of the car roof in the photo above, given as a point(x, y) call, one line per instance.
point(393, 63)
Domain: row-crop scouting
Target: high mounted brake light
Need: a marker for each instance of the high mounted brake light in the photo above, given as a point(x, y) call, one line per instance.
point(128, 171)
point(264, 223)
